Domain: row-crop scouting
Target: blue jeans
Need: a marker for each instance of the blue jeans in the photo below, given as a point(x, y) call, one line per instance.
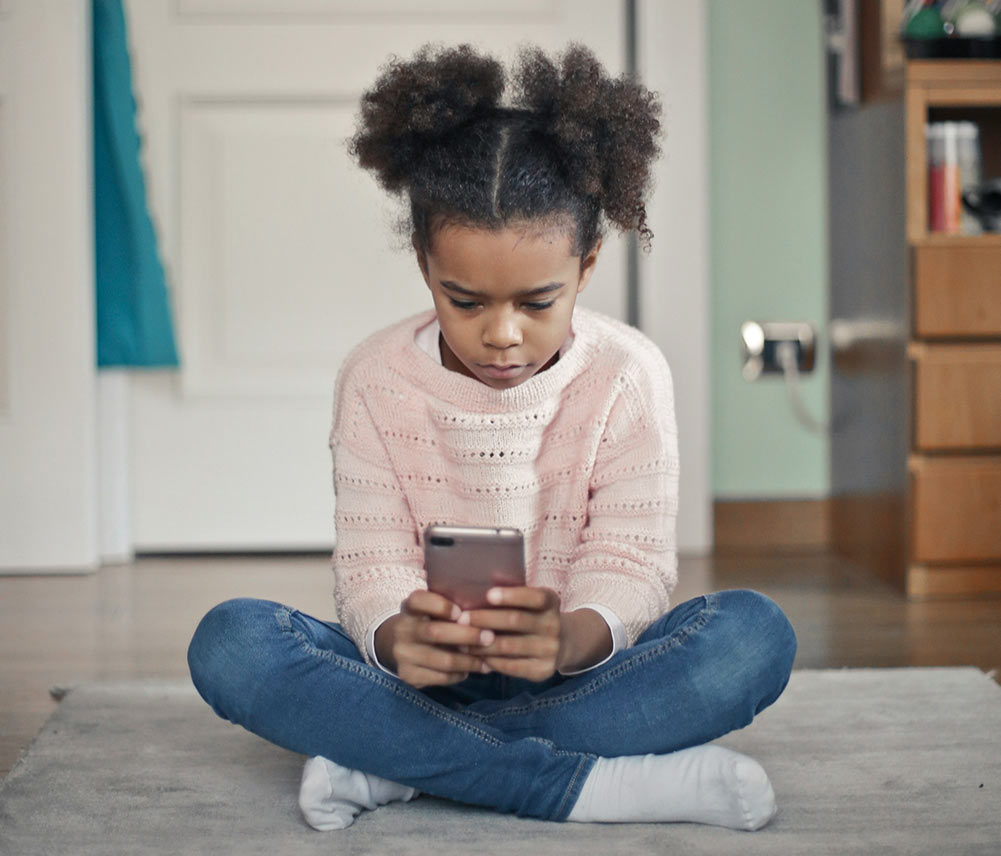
point(704, 669)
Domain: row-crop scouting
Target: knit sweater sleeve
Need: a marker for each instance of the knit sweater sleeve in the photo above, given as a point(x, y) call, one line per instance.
point(626, 559)
point(377, 558)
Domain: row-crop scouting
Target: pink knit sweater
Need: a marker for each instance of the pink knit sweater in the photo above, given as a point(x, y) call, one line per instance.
point(583, 458)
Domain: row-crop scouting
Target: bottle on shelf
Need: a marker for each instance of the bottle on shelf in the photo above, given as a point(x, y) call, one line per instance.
point(953, 166)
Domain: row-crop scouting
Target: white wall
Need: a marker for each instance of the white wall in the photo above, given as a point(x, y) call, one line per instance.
point(768, 237)
point(47, 374)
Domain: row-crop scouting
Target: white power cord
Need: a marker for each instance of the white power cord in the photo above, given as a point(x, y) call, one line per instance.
point(787, 357)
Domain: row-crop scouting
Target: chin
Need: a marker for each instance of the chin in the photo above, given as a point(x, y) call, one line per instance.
point(497, 383)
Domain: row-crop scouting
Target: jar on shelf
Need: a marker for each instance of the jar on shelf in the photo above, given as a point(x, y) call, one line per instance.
point(953, 165)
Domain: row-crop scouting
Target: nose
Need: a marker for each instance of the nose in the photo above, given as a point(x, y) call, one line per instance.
point(502, 331)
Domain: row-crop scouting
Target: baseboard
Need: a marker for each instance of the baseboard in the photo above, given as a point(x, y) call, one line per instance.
point(772, 525)
point(26, 571)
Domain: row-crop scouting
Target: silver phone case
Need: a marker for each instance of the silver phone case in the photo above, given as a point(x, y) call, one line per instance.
point(464, 562)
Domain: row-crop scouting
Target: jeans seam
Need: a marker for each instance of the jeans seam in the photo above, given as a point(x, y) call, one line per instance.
point(562, 811)
point(675, 640)
point(398, 687)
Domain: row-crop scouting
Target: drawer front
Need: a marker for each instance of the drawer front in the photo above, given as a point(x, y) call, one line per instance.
point(956, 512)
point(957, 396)
point(957, 291)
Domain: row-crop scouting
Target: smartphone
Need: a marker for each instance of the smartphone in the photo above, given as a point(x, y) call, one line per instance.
point(464, 562)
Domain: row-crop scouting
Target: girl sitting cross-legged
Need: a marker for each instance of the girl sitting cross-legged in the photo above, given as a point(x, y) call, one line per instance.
point(584, 695)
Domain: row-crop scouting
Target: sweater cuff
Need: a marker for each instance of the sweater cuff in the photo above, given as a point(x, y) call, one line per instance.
point(370, 640)
point(634, 601)
point(615, 627)
point(361, 611)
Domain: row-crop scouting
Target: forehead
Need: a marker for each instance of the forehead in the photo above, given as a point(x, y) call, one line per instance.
point(513, 255)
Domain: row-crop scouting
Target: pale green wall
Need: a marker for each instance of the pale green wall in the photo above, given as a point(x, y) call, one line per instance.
point(768, 235)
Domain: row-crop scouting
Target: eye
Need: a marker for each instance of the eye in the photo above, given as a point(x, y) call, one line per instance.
point(540, 306)
point(462, 304)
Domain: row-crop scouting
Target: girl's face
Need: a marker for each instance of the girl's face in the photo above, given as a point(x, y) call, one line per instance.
point(504, 298)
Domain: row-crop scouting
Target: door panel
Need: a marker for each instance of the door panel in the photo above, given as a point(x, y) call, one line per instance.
point(262, 292)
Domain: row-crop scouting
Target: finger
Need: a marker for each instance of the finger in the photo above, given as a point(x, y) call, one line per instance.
point(447, 633)
point(518, 667)
point(501, 620)
point(524, 597)
point(429, 603)
point(530, 647)
point(420, 677)
point(436, 659)
point(515, 621)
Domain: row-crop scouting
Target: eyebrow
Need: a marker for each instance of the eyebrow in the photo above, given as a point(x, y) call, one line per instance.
point(448, 285)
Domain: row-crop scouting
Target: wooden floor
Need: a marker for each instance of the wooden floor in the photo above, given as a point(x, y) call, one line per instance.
point(135, 621)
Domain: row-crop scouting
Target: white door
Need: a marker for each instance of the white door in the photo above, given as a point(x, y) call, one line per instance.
point(48, 518)
point(280, 252)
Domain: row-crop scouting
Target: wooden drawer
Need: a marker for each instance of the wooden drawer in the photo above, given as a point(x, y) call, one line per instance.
point(957, 396)
point(956, 509)
point(957, 291)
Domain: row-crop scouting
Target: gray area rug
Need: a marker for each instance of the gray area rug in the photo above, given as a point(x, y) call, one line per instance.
point(862, 761)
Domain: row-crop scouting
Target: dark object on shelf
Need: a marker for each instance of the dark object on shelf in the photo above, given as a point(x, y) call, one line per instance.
point(953, 47)
point(984, 202)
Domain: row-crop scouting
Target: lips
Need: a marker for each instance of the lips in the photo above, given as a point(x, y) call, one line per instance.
point(501, 372)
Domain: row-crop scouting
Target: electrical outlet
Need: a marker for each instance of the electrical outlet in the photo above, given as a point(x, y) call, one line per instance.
point(763, 343)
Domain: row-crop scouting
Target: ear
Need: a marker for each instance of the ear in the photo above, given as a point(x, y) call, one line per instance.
point(422, 259)
point(587, 265)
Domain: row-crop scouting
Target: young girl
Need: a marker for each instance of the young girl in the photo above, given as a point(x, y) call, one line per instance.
point(578, 696)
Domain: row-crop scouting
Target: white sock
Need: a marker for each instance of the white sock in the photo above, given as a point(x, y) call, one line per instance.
point(703, 784)
point(331, 796)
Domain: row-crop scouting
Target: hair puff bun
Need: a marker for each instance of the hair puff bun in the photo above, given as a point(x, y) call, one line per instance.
point(571, 142)
point(417, 102)
point(605, 128)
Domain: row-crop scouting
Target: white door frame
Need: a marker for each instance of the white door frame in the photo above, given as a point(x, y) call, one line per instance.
point(672, 48)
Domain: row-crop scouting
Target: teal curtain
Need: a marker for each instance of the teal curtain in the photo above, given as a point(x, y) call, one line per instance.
point(134, 326)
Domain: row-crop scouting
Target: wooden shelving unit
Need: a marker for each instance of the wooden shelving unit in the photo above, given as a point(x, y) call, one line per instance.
point(954, 501)
point(944, 89)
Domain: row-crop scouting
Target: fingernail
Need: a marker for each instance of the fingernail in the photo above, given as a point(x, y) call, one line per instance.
point(485, 669)
point(495, 596)
point(463, 618)
point(456, 612)
point(486, 637)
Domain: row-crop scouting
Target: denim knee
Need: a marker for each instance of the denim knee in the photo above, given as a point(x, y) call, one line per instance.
point(223, 646)
point(767, 642)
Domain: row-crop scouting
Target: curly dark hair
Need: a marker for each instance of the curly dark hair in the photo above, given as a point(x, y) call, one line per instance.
point(574, 146)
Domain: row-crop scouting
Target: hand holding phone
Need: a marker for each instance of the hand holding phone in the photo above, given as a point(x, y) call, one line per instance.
point(426, 646)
